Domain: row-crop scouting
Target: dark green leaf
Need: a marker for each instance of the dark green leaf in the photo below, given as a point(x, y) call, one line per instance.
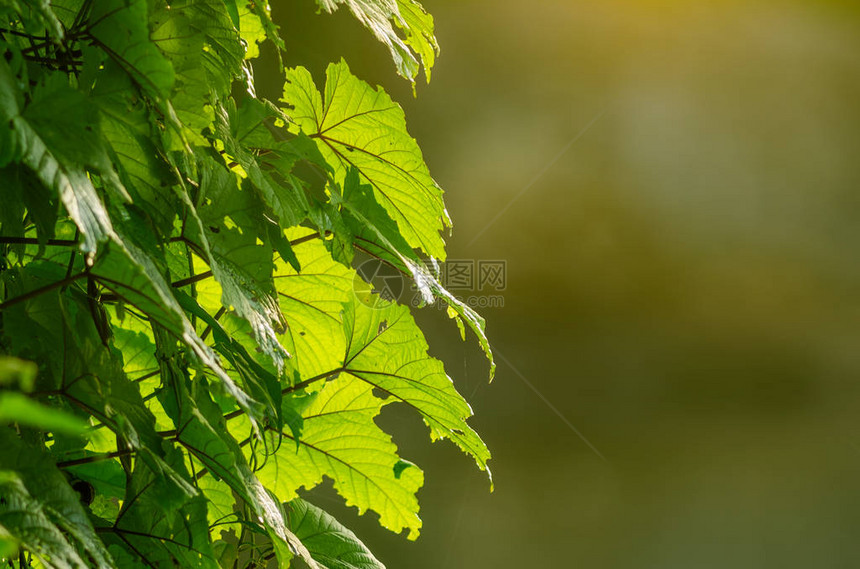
point(41, 511)
point(331, 544)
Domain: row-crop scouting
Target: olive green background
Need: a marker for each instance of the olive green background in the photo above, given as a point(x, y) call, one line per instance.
point(683, 279)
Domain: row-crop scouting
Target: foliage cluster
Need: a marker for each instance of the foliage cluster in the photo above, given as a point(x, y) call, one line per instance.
point(184, 342)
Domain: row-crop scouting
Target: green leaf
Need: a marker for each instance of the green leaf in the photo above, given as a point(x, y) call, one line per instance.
point(383, 359)
point(252, 29)
point(417, 24)
point(199, 39)
point(88, 373)
point(202, 431)
point(18, 408)
point(183, 342)
point(37, 16)
point(263, 11)
point(235, 129)
point(241, 262)
point(121, 29)
point(260, 143)
point(386, 350)
point(359, 127)
point(41, 204)
point(44, 137)
point(42, 512)
point(340, 440)
point(126, 129)
point(376, 233)
point(331, 544)
point(380, 16)
point(17, 371)
point(233, 10)
point(313, 301)
point(220, 504)
point(134, 276)
point(8, 545)
point(160, 525)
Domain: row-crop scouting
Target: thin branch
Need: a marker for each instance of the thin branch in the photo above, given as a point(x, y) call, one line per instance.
point(290, 389)
point(72, 255)
point(177, 284)
point(165, 539)
point(81, 16)
point(190, 259)
point(310, 237)
point(19, 34)
point(91, 410)
point(130, 545)
point(94, 458)
point(147, 376)
point(191, 280)
point(53, 61)
point(217, 316)
point(34, 241)
point(34, 293)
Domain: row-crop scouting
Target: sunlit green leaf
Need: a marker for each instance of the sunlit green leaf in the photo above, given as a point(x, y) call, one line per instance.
point(381, 16)
point(184, 344)
point(357, 126)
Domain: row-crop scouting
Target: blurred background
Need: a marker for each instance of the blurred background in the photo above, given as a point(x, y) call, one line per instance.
point(675, 187)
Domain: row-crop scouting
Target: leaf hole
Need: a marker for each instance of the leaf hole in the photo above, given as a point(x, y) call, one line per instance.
point(380, 393)
point(85, 490)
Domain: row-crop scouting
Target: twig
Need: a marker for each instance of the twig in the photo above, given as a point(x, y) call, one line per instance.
point(34, 293)
point(34, 241)
point(94, 458)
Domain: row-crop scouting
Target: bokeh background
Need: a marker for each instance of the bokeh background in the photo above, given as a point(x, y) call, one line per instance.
point(683, 279)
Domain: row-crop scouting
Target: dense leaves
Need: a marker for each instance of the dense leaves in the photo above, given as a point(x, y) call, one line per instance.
point(185, 346)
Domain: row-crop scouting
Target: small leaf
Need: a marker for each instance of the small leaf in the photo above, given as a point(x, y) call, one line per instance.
point(18, 408)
